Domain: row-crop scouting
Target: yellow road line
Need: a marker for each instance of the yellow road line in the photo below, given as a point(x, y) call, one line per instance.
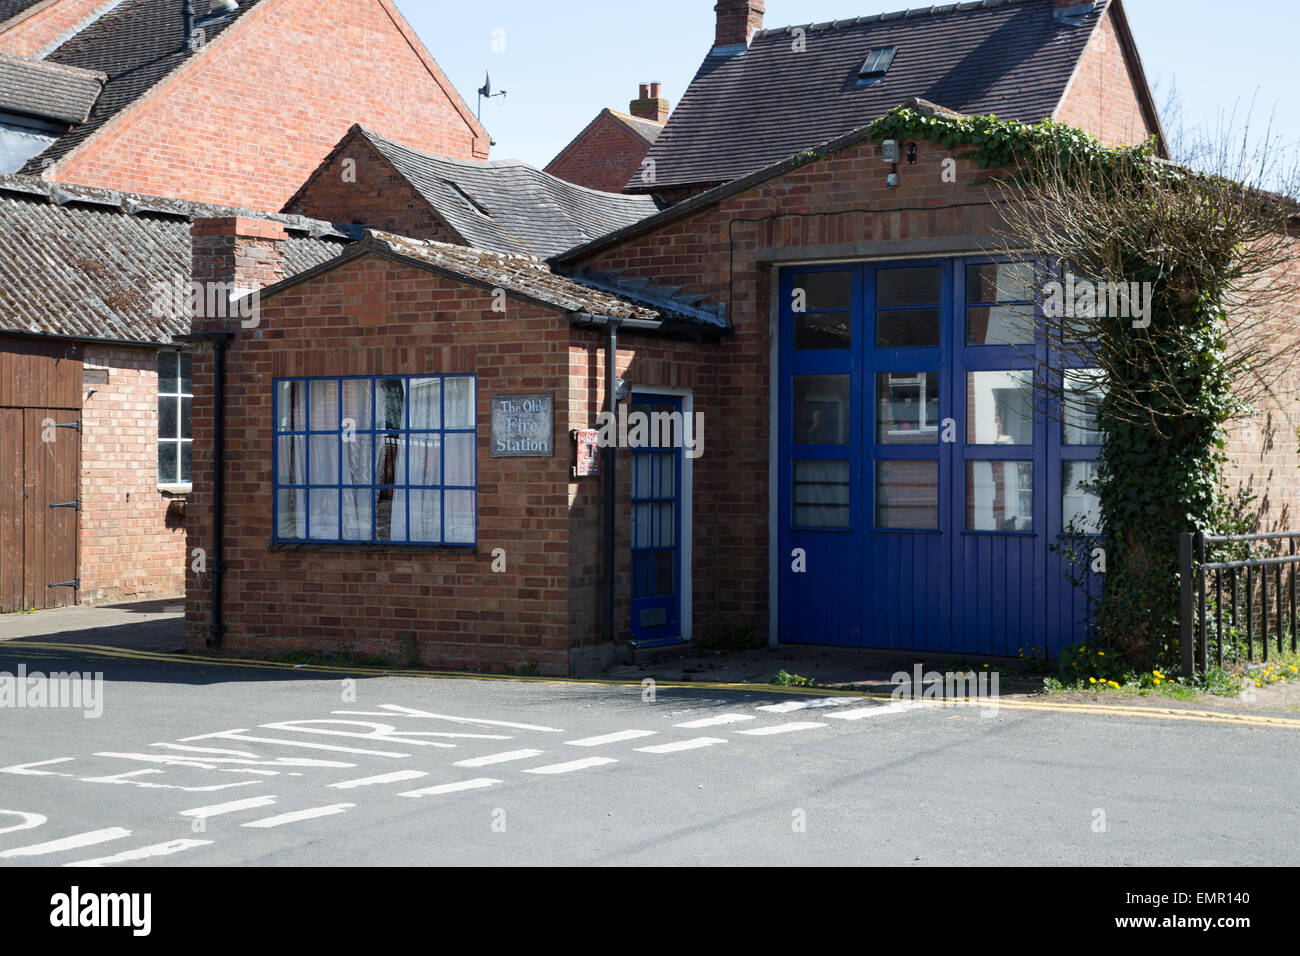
point(1100, 709)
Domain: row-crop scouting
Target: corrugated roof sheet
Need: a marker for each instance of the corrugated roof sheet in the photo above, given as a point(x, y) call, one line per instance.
point(509, 206)
point(84, 263)
point(137, 44)
point(749, 109)
point(48, 90)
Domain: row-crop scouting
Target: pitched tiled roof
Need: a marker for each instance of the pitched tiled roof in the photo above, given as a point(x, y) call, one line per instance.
point(508, 206)
point(137, 44)
point(48, 90)
point(11, 8)
point(529, 278)
point(646, 129)
point(83, 263)
point(745, 110)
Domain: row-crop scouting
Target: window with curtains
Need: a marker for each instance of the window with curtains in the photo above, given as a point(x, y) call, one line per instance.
point(388, 459)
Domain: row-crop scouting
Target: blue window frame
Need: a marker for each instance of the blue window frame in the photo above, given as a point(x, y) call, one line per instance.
point(378, 460)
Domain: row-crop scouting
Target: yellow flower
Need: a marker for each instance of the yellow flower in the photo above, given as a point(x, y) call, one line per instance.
point(1092, 680)
point(1101, 653)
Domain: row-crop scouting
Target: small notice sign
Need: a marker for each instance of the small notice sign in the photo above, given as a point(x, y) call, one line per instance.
point(523, 426)
point(587, 459)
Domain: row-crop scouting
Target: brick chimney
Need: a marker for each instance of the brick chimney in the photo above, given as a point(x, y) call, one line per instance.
point(231, 256)
point(650, 105)
point(738, 20)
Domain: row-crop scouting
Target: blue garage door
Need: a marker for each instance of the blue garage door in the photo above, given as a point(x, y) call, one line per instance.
point(925, 488)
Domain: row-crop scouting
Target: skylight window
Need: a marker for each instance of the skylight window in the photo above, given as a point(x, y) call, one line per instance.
point(877, 64)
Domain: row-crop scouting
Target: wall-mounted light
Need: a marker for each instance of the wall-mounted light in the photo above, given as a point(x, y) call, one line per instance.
point(621, 390)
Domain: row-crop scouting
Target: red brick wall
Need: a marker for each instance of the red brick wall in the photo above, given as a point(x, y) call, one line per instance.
point(132, 535)
point(604, 156)
point(43, 28)
point(247, 122)
point(1102, 98)
point(356, 186)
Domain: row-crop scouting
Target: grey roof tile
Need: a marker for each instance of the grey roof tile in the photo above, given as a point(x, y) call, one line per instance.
point(750, 109)
point(83, 263)
point(11, 8)
point(48, 90)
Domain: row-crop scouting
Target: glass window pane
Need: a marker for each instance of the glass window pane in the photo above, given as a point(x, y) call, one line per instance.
point(426, 458)
point(999, 496)
point(324, 410)
point(1000, 282)
point(358, 403)
point(291, 406)
point(642, 477)
point(901, 287)
point(665, 525)
point(167, 463)
point(1080, 503)
point(323, 514)
point(642, 524)
point(821, 494)
point(187, 418)
point(291, 506)
point(665, 483)
point(1000, 325)
point(187, 462)
point(426, 403)
point(390, 460)
point(999, 408)
point(426, 516)
point(907, 329)
point(458, 512)
point(1083, 391)
point(390, 403)
point(168, 417)
point(390, 514)
point(324, 459)
point(821, 410)
point(167, 377)
point(907, 495)
point(823, 330)
point(358, 460)
point(291, 460)
point(460, 460)
point(358, 512)
point(187, 373)
point(458, 402)
point(824, 291)
point(907, 408)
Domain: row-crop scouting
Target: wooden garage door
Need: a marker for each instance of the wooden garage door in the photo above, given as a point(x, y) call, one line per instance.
point(40, 455)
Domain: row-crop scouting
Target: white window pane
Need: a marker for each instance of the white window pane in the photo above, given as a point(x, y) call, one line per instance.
point(666, 520)
point(291, 467)
point(641, 475)
point(999, 496)
point(1080, 503)
point(460, 460)
point(1000, 408)
point(324, 459)
point(292, 514)
point(666, 480)
point(1083, 391)
point(357, 514)
point(642, 525)
point(324, 408)
point(458, 511)
point(358, 460)
point(821, 494)
point(323, 518)
point(358, 402)
point(426, 403)
point(458, 402)
point(390, 460)
point(291, 406)
point(390, 514)
point(426, 458)
point(426, 516)
point(390, 403)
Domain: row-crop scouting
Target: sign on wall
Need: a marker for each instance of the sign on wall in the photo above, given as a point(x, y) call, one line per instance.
point(523, 426)
point(587, 453)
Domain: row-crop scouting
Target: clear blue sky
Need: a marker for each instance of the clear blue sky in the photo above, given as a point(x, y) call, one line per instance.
point(565, 60)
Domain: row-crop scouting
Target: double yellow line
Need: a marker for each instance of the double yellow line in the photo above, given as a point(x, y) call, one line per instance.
point(1100, 709)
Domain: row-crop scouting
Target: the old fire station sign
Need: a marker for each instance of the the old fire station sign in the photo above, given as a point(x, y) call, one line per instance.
point(523, 426)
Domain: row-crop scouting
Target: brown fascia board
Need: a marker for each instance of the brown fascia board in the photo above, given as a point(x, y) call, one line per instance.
point(1135, 62)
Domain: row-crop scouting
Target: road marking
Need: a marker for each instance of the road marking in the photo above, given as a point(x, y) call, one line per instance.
point(277, 762)
point(298, 815)
point(381, 733)
point(876, 710)
point(478, 784)
point(786, 706)
point(238, 735)
point(68, 843)
point(24, 769)
point(693, 744)
point(781, 728)
point(499, 758)
point(30, 820)
point(572, 765)
point(234, 806)
point(716, 721)
point(143, 853)
point(395, 777)
point(610, 738)
point(391, 709)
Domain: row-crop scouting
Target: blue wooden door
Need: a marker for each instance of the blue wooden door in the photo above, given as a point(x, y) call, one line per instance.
point(921, 478)
point(656, 528)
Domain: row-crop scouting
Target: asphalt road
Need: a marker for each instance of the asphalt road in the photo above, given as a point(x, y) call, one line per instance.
point(204, 764)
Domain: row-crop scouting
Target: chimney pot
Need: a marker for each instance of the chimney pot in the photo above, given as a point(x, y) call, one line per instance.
point(654, 90)
point(645, 91)
point(651, 106)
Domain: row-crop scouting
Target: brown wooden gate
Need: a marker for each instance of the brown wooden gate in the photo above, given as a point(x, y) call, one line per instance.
point(40, 468)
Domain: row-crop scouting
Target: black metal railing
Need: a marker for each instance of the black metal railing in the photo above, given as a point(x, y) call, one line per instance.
point(1239, 619)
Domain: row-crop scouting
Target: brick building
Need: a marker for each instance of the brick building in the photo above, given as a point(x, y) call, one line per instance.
point(406, 434)
point(104, 106)
point(611, 148)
